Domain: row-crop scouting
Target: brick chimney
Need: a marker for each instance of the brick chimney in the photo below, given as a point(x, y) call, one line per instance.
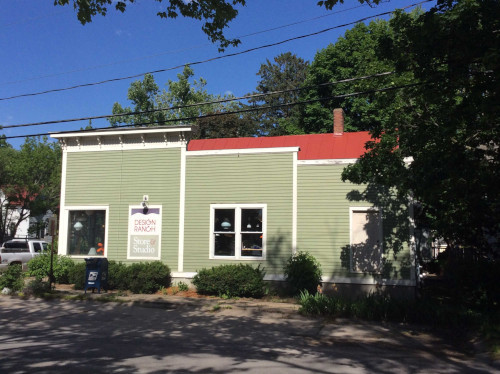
point(338, 121)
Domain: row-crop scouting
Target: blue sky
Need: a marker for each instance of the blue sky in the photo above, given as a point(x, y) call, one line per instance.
point(44, 47)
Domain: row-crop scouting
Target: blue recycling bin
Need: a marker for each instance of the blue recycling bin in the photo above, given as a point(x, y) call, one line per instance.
point(96, 274)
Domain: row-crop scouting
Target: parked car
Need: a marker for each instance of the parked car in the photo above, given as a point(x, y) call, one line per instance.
point(20, 251)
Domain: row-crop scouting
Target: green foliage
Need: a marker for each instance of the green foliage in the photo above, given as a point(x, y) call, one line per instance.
point(30, 176)
point(380, 307)
point(36, 287)
point(236, 280)
point(216, 14)
point(452, 116)
point(182, 286)
point(12, 278)
point(144, 277)
point(356, 54)
point(302, 272)
point(288, 72)
point(148, 277)
point(39, 267)
point(77, 275)
point(118, 276)
point(177, 101)
point(224, 126)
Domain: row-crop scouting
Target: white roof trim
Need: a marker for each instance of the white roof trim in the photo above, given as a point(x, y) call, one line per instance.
point(218, 152)
point(333, 161)
point(122, 132)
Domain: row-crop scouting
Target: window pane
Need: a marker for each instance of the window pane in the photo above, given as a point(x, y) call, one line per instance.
point(251, 220)
point(224, 244)
point(224, 220)
point(86, 230)
point(251, 245)
point(37, 247)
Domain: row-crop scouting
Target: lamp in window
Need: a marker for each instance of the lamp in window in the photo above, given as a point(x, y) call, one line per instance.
point(78, 226)
point(249, 226)
point(226, 225)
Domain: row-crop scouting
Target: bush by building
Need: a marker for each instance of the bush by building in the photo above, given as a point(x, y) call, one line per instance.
point(231, 280)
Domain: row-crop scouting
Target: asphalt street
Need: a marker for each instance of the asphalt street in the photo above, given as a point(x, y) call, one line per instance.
point(38, 336)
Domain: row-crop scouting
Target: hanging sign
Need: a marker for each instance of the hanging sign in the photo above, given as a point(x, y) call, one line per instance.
point(144, 232)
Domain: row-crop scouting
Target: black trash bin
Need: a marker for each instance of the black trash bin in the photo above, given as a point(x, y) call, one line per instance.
point(96, 274)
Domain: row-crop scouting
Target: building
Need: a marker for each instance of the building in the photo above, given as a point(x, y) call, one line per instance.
point(151, 194)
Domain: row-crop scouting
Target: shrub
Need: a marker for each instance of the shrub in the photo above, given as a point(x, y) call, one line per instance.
point(77, 275)
point(118, 276)
point(12, 278)
point(231, 280)
point(148, 277)
point(39, 267)
point(36, 287)
point(302, 272)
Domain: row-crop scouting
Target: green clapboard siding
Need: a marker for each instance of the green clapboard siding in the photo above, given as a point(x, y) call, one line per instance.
point(120, 179)
point(238, 179)
point(323, 204)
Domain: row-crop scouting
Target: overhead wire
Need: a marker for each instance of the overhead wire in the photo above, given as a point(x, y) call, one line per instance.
point(219, 101)
point(209, 59)
point(179, 50)
point(383, 89)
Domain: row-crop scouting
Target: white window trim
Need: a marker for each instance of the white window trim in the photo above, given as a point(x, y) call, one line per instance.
point(237, 224)
point(64, 229)
point(381, 233)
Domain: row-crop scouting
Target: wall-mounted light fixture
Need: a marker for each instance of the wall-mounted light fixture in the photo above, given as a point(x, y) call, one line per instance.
point(144, 203)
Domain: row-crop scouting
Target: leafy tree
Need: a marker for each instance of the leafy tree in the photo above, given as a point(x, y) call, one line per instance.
point(144, 97)
point(224, 126)
point(148, 101)
point(216, 13)
point(356, 54)
point(287, 72)
point(449, 124)
point(30, 181)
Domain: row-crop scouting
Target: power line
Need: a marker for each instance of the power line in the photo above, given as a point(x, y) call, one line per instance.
point(178, 50)
point(254, 109)
point(210, 59)
point(220, 101)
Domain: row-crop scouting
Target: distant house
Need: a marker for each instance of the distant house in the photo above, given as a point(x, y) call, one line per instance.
point(151, 194)
point(14, 219)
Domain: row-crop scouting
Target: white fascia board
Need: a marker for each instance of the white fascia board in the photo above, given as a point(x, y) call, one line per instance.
point(338, 161)
point(115, 132)
point(218, 152)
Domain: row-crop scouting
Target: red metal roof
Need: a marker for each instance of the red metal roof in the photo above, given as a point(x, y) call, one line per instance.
point(312, 147)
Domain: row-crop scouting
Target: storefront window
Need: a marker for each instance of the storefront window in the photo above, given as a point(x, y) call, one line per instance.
point(238, 232)
point(86, 232)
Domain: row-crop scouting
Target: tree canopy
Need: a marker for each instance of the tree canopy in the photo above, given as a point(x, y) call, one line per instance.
point(286, 73)
point(449, 124)
point(183, 101)
point(355, 54)
point(30, 181)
